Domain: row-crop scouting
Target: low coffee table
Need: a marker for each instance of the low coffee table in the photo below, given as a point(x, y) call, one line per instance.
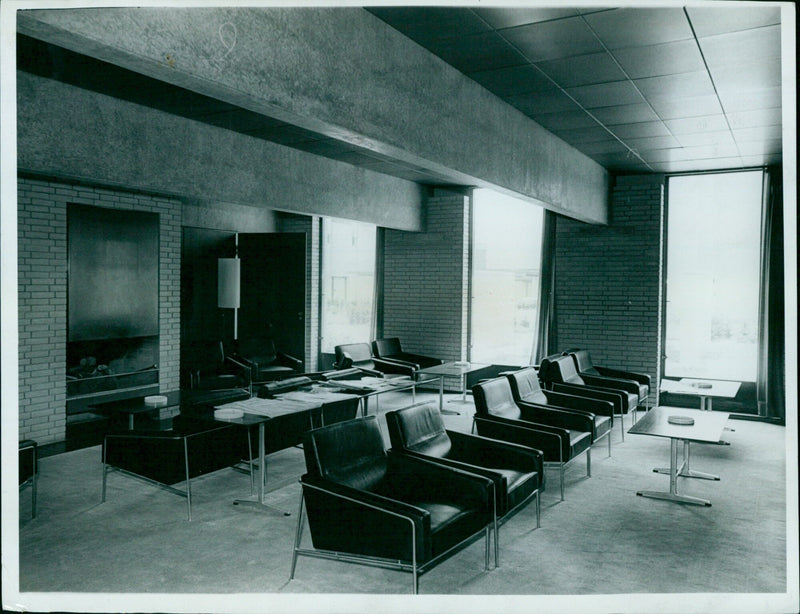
point(706, 427)
point(451, 369)
point(132, 407)
point(706, 389)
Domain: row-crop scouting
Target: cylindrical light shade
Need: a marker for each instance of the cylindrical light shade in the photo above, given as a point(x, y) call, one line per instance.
point(228, 283)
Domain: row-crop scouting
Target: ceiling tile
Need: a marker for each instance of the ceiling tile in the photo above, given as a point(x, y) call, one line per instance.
point(512, 80)
point(750, 100)
point(761, 133)
point(583, 135)
point(711, 151)
point(757, 117)
point(510, 17)
point(754, 148)
point(677, 107)
point(601, 147)
point(658, 60)
point(689, 125)
point(476, 52)
point(640, 130)
point(742, 47)
point(685, 166)
point(549, 101)
point(695, 139)
point(749, 76)
point(639, 27)
point(583, 69)
point(622, 161)
point(653, 142)
point(606, 94)
point(710, 20)
point(431, 22)
point(551, 40)
point(564, 121)
point(625, 114)
point(683, 85)
point(664, 155)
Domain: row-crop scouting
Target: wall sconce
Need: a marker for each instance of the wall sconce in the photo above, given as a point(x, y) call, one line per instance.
point(228, 293)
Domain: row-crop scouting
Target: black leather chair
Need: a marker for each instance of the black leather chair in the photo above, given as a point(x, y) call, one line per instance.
point(384, 509)
point(359, 356)
point(192, 447)
point(29, 469)
point(517, 471)
point(526, 389)
point(389, 348)
point(585, 366)
point(498, 416)
point(560, 374)
point(266, 363)
point(211, 368)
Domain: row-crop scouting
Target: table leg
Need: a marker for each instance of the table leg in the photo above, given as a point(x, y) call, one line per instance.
point(674, 472)
point(448, 412)
point(130, 422)
point(463, 399)
point(262, 477)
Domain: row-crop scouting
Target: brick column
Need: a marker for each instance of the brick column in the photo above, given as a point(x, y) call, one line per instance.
point(609, 279)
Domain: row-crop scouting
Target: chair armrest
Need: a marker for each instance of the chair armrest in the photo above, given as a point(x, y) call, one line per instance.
point(618, 398)
point(379, 518)
point(575, 420)
point(290, 361)
point(496, 452)
point(416, 474)
point(641, 378)
point(610, 382)
point(399, 361)
point(569, 401)
point(528, 434)
point(387, 366)
point(244, 365)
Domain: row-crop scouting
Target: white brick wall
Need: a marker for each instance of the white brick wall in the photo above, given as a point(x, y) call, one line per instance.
point(42, 267)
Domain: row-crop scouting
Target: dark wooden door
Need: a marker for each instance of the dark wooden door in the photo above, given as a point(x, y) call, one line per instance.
point(201, 319)
point(273, 289)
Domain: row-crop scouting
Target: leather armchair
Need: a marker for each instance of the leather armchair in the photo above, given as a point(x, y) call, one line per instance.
point(266, 364)
point(585, 366)
point(384, 509)
point(525, 389)
point(29, 469)
point(498, 416)
point(389, 348)
point(556, 370)
point(359, 355)
point(517, 471)
point(210, 368)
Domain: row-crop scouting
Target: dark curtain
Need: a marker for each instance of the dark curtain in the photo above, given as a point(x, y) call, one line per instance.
point(545, 341)
point(771, 385)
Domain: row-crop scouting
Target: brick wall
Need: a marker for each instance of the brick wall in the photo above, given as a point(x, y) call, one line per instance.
point(609, 279)
point(426, 280)
point(42, 269)
point(311, 227)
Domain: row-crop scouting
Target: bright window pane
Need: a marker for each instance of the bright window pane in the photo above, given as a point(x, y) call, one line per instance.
point(713, 263)
point(506, 258)
point(348, 282)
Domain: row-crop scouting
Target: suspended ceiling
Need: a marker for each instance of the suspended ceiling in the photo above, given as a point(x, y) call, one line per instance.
point(667, 89)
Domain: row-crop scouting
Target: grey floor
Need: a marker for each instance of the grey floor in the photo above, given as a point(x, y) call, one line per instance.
point(602, 540)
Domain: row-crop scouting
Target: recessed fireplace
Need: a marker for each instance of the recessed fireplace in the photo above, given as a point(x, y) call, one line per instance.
point(113, 324)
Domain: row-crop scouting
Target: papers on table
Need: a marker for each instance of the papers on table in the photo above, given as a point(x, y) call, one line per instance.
point(316, 396)
point(271, 408)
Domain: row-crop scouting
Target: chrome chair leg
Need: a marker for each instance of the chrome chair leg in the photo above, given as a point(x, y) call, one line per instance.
point(298, 536)
point(588, 462)
point(188, 481)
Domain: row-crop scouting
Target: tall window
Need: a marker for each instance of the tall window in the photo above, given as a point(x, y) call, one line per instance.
point(348, 282)
point(506, 262)
point(713, 264)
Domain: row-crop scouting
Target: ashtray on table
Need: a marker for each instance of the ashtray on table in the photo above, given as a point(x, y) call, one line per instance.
point(683, 420)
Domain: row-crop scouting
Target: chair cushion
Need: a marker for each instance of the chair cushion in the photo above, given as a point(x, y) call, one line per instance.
point(419, 428)
point(494, 398)
point(602, 424)
point(525, 386)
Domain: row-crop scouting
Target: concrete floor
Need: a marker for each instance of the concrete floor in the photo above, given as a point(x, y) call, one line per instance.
point(602, 545)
